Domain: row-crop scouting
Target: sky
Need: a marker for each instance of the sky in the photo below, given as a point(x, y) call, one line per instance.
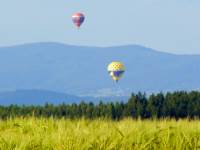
point(165, 25)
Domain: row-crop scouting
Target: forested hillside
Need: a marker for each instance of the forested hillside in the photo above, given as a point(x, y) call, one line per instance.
point(171, 105)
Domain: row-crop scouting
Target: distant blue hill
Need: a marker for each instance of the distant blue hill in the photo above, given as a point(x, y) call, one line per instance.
point(36, 97)
point(41, 97)
point(82, 71)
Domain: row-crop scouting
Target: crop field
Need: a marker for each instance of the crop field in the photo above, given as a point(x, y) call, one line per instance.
point(64, 134)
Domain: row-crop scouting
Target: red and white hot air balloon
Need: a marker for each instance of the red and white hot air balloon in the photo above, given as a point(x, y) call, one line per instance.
point(78, 19)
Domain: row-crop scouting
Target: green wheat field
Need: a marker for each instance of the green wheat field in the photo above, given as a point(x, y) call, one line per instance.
point(63, 134)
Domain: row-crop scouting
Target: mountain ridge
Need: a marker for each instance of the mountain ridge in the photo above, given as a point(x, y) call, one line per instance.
point(91, 46)
point(81, 70)
point(41, 97)
point(80, 46)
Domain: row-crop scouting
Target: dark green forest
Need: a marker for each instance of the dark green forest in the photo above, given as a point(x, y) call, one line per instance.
point(176, 105)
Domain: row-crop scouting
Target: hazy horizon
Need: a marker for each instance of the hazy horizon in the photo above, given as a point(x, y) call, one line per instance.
point(82, 45)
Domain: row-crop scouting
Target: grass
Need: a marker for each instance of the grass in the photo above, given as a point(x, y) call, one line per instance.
point(61, 134)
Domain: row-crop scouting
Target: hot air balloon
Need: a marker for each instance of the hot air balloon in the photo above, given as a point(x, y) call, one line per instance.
point(78, 19)
point(116, 70)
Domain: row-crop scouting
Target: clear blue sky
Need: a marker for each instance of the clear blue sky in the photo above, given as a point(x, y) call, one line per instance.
point(165, 25)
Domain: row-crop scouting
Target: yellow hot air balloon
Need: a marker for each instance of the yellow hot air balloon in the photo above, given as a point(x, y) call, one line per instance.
point(116, 70)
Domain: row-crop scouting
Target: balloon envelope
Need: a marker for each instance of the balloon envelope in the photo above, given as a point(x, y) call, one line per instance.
point(78, 19)
point(116, 70)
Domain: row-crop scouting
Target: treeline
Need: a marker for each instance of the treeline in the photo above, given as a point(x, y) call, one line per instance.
point(171, 105)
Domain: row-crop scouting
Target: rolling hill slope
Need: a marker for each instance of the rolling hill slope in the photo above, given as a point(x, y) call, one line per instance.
point(82, 71)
